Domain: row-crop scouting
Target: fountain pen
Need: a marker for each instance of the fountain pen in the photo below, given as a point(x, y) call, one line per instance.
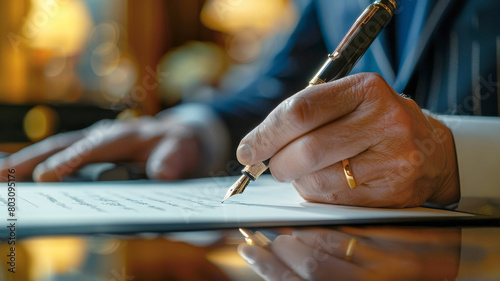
point(354, 44)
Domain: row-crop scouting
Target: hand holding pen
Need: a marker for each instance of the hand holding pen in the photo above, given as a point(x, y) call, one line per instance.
point(354, 141)
point(357, 254)
point(339, 64)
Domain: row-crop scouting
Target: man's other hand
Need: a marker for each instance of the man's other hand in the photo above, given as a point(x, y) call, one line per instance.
point(169, 149)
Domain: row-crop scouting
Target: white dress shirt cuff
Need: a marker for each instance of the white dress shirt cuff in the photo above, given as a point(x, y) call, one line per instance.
point(477, 145)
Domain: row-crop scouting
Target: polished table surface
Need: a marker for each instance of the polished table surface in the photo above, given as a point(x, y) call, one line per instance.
point(454, 250)
point(380, 253)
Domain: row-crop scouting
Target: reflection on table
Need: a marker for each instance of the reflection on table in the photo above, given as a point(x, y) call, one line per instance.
point(377, 253)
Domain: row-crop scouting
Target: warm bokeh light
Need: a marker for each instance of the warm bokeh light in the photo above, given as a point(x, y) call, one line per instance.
point(247, 23)
point(54, 255)
point(231, 16)
point(14, 63)
point(59, 26)
point(40, 122)
point(230, 261)
point(134, 57)
point(189, 67)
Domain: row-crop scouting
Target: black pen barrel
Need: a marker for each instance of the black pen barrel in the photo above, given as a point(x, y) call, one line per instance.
point(359, 38)
point(361, 35)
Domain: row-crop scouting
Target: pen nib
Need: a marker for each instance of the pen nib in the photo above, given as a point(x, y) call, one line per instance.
point(237, 188)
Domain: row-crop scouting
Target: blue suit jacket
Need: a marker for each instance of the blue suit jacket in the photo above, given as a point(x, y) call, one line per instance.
point(446, 58)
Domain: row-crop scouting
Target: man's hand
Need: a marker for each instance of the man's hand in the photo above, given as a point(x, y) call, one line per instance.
point(400, 156)
point(378, 254)
point(170, 150)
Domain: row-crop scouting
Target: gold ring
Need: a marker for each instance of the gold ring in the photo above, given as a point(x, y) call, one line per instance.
point(348, 173)
point(350, 249)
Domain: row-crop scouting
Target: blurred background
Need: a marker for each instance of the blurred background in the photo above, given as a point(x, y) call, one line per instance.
point(65, 64)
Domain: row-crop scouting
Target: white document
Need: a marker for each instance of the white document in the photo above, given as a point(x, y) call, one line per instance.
point(60, 208)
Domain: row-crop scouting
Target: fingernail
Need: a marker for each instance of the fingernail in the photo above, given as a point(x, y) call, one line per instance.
point(244, 154)
point(247, 252)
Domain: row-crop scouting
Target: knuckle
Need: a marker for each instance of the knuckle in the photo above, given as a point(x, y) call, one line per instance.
point(370, 83)
point(277, 173)
point(397, 123)
point(299, 187)
point(374, 90)
point(280, 169)
point(372, 78)
point(315, 188)
point(321, 186)
point(338, 198)
point(331, 197)
point(298, 112)
point(314, 184)
point(310, 152)
point(365, 89)
point(321, 191)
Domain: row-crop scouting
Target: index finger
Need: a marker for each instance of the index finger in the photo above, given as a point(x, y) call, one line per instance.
point(303, 112)
point(25, 160)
